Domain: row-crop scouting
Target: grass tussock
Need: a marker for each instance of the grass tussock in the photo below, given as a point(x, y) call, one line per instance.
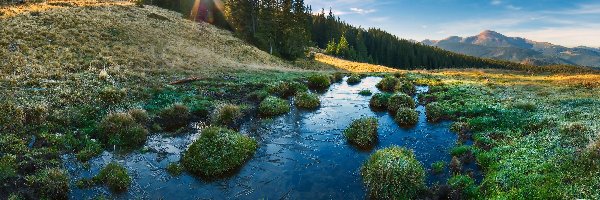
point(218, 151)
point(113, 175)
point(393, 173)
point(226, 114)
point(380, 101)
point(362, 132)
point(400, 100)
point(406, 117)
point(319, 82)
point(122, 130)
point(273, 106)
point(306, 100)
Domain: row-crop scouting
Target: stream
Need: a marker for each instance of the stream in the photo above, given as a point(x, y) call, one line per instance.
point(301, 155)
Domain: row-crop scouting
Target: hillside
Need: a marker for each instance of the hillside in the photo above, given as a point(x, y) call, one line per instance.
point(491, 44)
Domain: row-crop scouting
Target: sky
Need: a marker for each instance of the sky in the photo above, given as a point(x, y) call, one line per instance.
point(562, 22)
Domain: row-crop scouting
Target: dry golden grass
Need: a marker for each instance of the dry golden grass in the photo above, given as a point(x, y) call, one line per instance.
point(353, 66)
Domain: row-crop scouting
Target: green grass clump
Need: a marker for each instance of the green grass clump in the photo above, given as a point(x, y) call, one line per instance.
point(380, 101)
point(406, 117)
point(112, 95)
point(400, 100)
point(434, 112)
point(12, 117)
point(286, 89)
point(307, 100)
point(362, 132)
point(8, 167)
point(226, 114)
point(319, 82)
point(51, 183)
point(337, 77)
point(465, 186)
point(460, 150)
point(353, 79)
point(90, 149)
point(388, 84)
point(406, 87)
point(273, 106)
point(140, 115)
point(175, 169)
point(393, 173)
point(218, 151)
point(122, 130)
point(365, 93)
point(114, 176)
point(438, 167)
point(459, 128)
point(174, 117)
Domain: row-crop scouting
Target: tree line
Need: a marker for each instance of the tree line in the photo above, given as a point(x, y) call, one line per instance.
point(286, 28)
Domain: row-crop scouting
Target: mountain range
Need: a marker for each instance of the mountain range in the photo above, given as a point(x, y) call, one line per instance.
point(491, 44)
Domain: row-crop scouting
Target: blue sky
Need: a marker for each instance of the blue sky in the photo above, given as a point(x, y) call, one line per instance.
point(563, 22)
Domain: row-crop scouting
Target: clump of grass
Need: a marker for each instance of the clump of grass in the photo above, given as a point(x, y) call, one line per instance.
point(380, 101)
point(12, 117)
point(226, 114)
point(434, 111)
point(460, 128)
point(455, 165)
point(400, 100)
point(112, 175)
point(174, 117)
point(8, 167)
point(112, 95)
point(307, 100)
point(464, 186)
point(337, 77)
point(122, 130)
point(286, 89)
point(525, 105)
point(406, 87)
point(460, 150)
point(139, 115)
point(353, 79)
point(388, 84)
point(218, 151)
point(393, 173)
point(273, 106)
point(175, 169)
point(365, 93)
point(90, 149)
point(593, 149)
point(258, 95)
point(362, 132)
point(52, 183)
point(438, 167)
point(576, 132)
point(319, 82)
point(406, 117)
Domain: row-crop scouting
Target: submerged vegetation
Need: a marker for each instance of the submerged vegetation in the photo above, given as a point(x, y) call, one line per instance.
point(218, 151)
point(362, 132)
point(393, 173)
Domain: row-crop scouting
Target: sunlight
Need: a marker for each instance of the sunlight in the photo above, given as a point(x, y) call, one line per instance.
point(202, 11)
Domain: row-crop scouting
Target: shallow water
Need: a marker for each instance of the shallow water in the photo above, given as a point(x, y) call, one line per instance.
point(301, 155)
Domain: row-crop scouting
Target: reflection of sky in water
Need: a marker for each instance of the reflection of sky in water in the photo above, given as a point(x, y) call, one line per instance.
point(302, 155)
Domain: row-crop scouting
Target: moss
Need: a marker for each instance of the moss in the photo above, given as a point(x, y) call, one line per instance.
point(52, 183)
point(362, 132)
point(286, 89)
point(365, 93)
point(122, 130)
point(438, 167)
point(393, 173)
point(8, 167)
point(175, 169)
point(218, 151)
point(460, 150)
point(400, 100)
point(319, 82)
point(434, 112)
point(226, 114)
point(273, 106)
point(380, 101)
point(388, 84)
point(406, 117)
point(406, 87)
point(114, 176)
point(353, 79)
point(139, 115)
point(307, 100)
point(465, 186)
point(174, 117)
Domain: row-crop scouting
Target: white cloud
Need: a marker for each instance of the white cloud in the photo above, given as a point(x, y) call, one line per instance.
point(567, 36)
point(496, 2)
point(362, 11)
